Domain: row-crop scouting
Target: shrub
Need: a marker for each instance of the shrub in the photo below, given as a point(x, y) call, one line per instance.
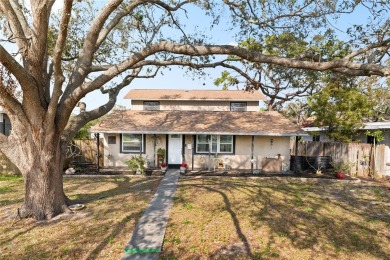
point(137, 163)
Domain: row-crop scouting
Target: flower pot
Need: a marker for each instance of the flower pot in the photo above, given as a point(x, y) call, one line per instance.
point(340, 175)
point(164, 169)
point(183, 169)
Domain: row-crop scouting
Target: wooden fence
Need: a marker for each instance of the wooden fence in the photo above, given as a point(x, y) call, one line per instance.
point(362, 158)
point(86, 151)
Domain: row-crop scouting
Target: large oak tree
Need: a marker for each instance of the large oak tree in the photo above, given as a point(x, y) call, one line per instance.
point(56, 61)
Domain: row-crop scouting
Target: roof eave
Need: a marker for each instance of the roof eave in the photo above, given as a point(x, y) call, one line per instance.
point(198, 133)
point(194, 99)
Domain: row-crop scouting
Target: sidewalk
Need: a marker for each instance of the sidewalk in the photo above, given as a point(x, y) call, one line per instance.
point(148, 235)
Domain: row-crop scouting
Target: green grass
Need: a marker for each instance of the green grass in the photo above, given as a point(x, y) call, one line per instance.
point(11, 178)
point(270, 219)
point(100, 231)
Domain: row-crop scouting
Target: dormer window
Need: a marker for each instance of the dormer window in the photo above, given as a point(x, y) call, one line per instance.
point(151, 105)
point(238, 106)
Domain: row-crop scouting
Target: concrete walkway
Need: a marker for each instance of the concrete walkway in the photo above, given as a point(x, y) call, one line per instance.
point(148, 235)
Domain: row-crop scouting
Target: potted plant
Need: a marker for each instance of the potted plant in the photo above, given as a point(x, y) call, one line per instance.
point(183, 167)
point(341, 169)
point(164, 167)
point(160, 155)
point(137, 164)
point(340, 175)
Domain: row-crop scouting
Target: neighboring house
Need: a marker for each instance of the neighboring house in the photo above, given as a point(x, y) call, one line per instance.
point(317, 133)
point(199, 127)
point(5, 124)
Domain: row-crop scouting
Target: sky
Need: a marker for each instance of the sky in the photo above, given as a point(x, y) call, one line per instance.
point(177, 78)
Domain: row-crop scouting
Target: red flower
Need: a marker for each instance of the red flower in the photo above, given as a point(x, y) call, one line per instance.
point(184, 165)
point(163, 165)
point(340, 175)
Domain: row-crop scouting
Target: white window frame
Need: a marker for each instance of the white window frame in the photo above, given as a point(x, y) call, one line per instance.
point(218, 144)
point(132, 151)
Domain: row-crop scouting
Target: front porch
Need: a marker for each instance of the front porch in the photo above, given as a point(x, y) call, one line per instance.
point(200, 152)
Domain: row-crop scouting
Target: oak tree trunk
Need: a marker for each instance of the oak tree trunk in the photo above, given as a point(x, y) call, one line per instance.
point(44, 194)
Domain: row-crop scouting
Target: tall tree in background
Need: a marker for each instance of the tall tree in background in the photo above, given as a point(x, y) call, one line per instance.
point(340, 108)
point(56, 62)
point(280, 84)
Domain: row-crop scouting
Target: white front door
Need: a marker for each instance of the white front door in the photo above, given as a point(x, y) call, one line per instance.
point(175, 145)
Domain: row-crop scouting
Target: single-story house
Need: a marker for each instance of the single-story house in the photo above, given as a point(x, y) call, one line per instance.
point(199, 127)
point(317, 133)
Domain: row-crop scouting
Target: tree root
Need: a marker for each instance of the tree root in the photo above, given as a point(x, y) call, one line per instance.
point(23, 212)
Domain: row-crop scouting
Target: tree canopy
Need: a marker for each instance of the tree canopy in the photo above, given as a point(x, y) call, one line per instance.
point(340, 108)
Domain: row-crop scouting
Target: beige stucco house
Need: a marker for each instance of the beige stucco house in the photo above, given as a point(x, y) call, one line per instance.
point(199, 127)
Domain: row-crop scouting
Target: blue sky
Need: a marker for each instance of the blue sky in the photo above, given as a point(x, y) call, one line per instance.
point(177, 78)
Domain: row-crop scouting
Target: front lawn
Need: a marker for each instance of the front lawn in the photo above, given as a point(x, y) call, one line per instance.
point(286, 219)
point(100, 231)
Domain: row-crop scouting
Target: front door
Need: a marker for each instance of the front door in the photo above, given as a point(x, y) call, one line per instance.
point(175, 146)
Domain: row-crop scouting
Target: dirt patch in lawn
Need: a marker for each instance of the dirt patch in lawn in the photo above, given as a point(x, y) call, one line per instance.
point(227, 218)
point(100, 231)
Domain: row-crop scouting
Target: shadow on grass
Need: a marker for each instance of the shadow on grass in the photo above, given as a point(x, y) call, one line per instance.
point(115, 232)
point(234, 218)
point(122, 187)
point(309, 215)
point(10, 239)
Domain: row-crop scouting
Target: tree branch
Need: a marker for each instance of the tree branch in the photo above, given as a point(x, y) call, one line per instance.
point(57, 54)
point(15, 25)
point(89, 47)
point(80, 120)
point(21, 75)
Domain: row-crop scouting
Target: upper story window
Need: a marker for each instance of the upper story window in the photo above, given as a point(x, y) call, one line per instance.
point(151, 105)
point(238, 106)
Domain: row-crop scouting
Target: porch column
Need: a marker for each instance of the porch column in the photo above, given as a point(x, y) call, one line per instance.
point(97, 135)
point(183, 148)
point(154, 151)
point(252, 151)
point(296, 156)
point(4, 125)
point(193, 152)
